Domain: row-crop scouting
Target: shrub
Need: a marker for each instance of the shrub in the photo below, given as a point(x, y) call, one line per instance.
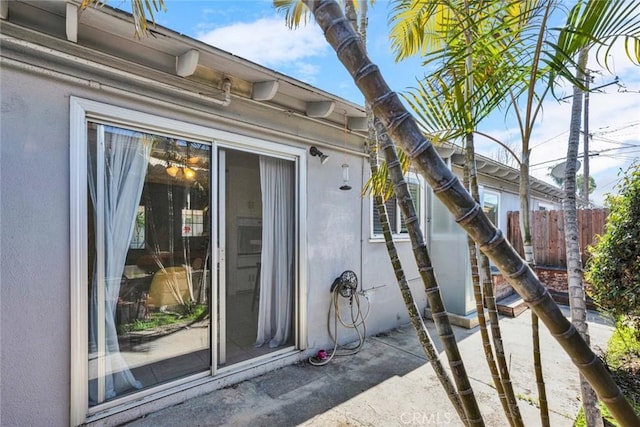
point(614, 268)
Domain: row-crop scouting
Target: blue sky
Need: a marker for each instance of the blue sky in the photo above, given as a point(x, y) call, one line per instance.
point(253, 30)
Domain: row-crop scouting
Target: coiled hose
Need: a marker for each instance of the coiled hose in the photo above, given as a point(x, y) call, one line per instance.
point(357, 321)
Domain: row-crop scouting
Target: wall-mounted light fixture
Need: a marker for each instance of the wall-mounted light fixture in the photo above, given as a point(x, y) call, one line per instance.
point(345, 177)
point(345, 165)
point(315, 152)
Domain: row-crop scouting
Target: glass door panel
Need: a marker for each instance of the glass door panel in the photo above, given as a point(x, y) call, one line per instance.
point(149, 260)
point(257, 207)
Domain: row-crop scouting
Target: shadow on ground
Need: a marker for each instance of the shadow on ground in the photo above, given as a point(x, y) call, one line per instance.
point(389, 383)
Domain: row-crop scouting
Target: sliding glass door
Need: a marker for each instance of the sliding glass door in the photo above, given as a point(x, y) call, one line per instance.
point(191, 260)
point(186, 244)
point(149, 260)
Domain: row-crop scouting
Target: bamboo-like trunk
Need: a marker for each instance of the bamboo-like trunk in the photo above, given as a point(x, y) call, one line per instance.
point(403, 129)
point(577, 303)
point(496, 335)
point(489, 297)
point(525, 207)
point(537, 367)
point(412, 307)
point(513, 411)
point(436, 305)
point(525, 231)
point(482, 323)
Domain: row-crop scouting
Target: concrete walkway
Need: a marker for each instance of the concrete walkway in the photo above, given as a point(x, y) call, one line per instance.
point(389, 383)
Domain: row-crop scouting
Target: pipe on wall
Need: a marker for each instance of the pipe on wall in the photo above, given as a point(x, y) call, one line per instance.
point(226, 85)
point(92, 84)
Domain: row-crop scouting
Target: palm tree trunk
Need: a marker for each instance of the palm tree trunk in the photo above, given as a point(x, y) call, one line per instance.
point(489, 297)
point(525, 231)
point(421, 254)
point(513, 413)
point(577, 303)
point(537, 367)
point(525, 207)
point(482, 323)
point(412, 308)
point(403, 129)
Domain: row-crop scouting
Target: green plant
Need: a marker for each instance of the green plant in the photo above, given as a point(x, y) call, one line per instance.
point(614, 269)
point(622, 356)
point(624, 345)
point(186, 313)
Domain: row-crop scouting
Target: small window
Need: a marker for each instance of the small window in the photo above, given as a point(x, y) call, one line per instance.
point(491, 206)
point(396, 217)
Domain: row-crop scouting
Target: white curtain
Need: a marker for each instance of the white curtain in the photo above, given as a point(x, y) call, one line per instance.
point(126, 156)
point(277, 272)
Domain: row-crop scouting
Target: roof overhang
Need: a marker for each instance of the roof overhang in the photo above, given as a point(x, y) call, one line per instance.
point(496, 170)
point(182, 59)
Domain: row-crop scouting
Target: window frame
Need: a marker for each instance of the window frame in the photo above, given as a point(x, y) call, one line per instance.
point(498, 195)
point(412, 177)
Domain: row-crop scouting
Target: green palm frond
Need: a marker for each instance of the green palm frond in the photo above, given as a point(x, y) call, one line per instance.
point(295, 12)
point(416, 27)
point(379, 183)
point(599, 25)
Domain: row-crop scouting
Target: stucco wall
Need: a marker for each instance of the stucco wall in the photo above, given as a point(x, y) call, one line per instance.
point(34, 259)
point(34, 273)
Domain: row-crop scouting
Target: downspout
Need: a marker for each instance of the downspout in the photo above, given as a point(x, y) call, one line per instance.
point(226, 88)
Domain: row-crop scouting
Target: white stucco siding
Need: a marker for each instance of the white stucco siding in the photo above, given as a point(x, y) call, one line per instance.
point(509, 202)
point(34, 257)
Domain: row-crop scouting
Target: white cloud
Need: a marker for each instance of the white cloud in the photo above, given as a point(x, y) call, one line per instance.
point(617, 61)
point(613, 122)
point(305, 72)
point(268, 42)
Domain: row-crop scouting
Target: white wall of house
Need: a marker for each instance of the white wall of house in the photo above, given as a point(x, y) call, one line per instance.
point(35, 258)
point(37, 266)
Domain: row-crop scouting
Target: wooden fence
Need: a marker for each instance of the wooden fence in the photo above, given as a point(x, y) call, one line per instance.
point(548, 234)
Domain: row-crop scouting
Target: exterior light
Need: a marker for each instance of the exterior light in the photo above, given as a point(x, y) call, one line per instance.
point(345, 177)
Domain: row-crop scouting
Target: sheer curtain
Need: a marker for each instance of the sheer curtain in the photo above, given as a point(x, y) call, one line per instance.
point(276, 273)
point(125, 158)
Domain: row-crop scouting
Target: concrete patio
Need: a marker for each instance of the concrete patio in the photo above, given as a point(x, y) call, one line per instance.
point(390, 383)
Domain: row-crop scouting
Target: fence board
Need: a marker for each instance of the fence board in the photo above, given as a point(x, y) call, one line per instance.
point(548, 234)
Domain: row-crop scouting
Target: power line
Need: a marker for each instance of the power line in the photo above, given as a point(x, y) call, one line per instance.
point(591, 154)
point(613, 141)
point(550, 139)
point(614, 82)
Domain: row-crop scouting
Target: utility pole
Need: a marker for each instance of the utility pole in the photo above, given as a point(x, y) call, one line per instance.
point(587, 80)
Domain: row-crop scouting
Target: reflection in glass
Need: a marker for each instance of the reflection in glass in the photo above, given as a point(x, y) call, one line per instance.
point(149, 259)
point(490, 206)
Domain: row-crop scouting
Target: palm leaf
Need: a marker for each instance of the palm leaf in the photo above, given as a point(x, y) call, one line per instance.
point(140, 9)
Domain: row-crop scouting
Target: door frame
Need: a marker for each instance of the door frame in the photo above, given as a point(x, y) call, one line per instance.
point(298, 157)
point(81, 111)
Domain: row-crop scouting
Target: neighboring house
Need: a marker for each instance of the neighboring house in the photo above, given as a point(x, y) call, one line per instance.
point(168, 227)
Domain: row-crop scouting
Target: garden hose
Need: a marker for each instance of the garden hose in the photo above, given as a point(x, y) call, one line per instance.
point(347, 290)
